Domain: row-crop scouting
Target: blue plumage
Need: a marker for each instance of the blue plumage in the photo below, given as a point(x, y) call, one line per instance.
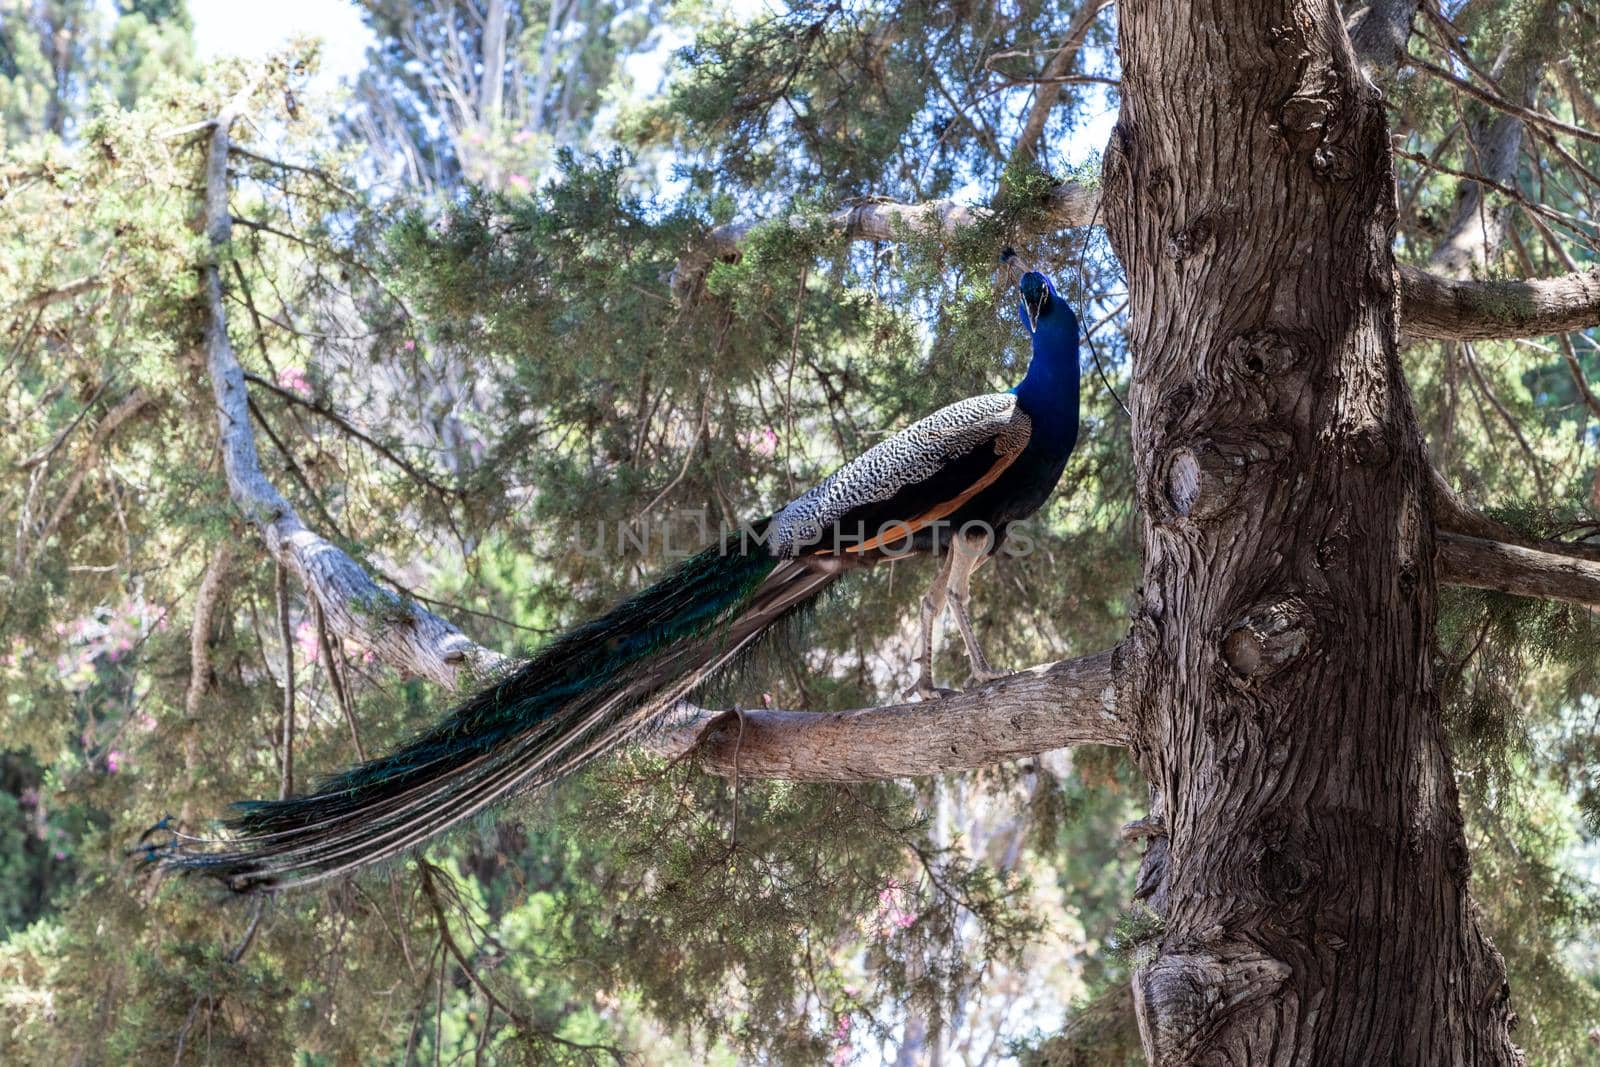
point(989, 460)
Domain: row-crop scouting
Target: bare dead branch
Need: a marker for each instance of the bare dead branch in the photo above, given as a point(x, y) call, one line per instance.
point(299, 168)
point(1570, 356)
point(286, 636)
point(202, 678)
point(347, 427)
point(521, 1021)
point(1071, 702)
point(397, 630)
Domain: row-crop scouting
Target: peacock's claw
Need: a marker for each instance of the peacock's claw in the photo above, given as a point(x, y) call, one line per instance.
point(984, 677)
point(925, 691)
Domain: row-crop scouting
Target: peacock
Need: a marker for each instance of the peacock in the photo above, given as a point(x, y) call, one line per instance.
point(949, 485)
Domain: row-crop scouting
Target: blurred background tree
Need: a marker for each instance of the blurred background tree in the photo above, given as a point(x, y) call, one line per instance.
point(451, 283)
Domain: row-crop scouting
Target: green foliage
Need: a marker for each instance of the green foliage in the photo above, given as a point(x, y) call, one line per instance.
point(471, 366)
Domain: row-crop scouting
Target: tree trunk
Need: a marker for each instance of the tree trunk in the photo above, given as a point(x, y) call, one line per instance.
point(1307, 861)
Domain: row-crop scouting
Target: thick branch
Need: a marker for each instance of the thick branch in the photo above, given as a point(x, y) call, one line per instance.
point(1432, 307)
point(1073, 702)
point(1482, 553)
point(1508, 568)
point(399, 631)
point(1438, 308)
point(1454, 515)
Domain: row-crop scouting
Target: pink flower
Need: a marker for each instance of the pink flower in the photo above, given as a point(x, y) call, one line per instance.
point(843, 1051)
point(767, 443)
point(892, 910)
point(113, 761)
point(519, 182)
point(409, 345)
point(294, 379)
point(147, 722)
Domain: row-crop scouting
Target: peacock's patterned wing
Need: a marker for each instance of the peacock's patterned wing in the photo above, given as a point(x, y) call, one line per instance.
point(918, 476)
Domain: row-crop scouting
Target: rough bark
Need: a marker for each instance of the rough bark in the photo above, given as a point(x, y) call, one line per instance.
point(1311, 871)
point(398, 631)
point(1073, 702)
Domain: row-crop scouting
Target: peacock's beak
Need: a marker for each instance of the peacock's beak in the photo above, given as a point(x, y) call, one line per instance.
point(1035, 307)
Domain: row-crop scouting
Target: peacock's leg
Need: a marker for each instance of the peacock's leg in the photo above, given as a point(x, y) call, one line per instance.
point(932, 607)
point(967, 554)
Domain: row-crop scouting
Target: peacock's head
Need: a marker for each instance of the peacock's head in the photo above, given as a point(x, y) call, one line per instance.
point(1038, 299)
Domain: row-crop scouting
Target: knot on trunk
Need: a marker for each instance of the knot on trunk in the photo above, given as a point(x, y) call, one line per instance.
point(1268, 638)
point(1204, 477)
point(1192, 1000)
point(1259, 356)
point(1197, 238)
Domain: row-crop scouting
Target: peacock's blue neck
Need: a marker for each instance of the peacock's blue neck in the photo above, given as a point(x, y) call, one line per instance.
point(1049, 391)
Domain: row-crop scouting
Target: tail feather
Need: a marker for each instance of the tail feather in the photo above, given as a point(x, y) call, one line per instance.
point(588, 691)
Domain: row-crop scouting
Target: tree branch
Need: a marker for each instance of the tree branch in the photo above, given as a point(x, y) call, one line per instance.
point(127, 408)
point(1500, 103)
point(399, 631)
point(1048, 92)
point(1482, 553)
point(1452, 514)
point(1583, 104)
point(1432, 307)
point(1508, 568)
point(65, 291)
point(1072, 702)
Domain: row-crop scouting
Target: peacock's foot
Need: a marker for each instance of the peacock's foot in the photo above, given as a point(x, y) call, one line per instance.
point(984, 675)
point(925, 690)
